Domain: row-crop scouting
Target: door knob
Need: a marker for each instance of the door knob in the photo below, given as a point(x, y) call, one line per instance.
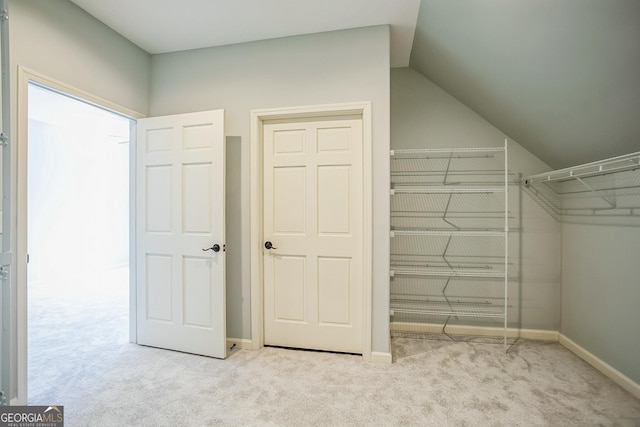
point(268, 245)
point(214, 248)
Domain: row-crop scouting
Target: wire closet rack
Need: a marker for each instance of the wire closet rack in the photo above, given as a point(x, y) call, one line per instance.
point(449, 241)
point(603, 191)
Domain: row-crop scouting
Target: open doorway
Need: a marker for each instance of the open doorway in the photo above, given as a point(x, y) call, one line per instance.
point(78, 238)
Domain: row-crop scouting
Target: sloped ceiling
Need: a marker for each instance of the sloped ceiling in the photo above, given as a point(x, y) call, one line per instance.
point(160, 26)
point(561, 77)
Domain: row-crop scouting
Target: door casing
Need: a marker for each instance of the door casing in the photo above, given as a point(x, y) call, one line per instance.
point(25, 76)
point(258, 117)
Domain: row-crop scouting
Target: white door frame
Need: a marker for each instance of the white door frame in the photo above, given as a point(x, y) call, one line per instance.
point(257, 286)
point(24, 77)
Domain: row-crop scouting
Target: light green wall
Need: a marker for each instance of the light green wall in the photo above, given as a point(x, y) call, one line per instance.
point(424, 116)
point(61, 41)
point(326, 68)
point(599, 269)
point(581, 279)
point(601, 293)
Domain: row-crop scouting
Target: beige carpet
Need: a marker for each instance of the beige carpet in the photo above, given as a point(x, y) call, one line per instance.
point(80, 358)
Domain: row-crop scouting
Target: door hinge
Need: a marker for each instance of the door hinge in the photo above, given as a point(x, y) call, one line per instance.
point(4, 139)
point(3, 399)
point(3, 273)
point(4, 15)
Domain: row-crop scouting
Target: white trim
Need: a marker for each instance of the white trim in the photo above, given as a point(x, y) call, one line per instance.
point(133, 261)
point(618, 377)
point(367, 227)
point(240, 343)
point(379, 357)
point(256, 232)
point(483, 331)
point(73, 92)
point(257, 118)
point(25, 76)
point(21, 234)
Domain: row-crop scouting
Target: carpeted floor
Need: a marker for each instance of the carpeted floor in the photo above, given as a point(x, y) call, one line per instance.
point(80, 358)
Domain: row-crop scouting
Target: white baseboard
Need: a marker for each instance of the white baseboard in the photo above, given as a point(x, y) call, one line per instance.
point(380, 357)
point(241, 343)
point(618, 377)
point(429, 328)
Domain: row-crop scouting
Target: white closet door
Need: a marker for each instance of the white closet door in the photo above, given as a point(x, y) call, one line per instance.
point(180, 212)
point(313, 207)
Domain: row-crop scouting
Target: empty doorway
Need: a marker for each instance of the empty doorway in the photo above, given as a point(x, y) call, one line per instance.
point(77, 236)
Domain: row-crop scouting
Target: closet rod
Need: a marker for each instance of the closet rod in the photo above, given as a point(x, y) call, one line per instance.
point(601, 167)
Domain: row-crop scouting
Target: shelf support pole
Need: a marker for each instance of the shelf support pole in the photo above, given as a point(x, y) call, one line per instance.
point(446, 211)
point(444, 327)
point(446, 173)
point(506, 240)
point(444, 254)
point(597, 193)
point(444, 292)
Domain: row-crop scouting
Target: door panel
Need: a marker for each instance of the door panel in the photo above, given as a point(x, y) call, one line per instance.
point(197, 292)
point(158, 287)
point(180, 212)
point(313, 207)
point(333, 200)
point(196, 207)
point(158, 199)
point(289, 296)
point(289, 196)
point(334, 290)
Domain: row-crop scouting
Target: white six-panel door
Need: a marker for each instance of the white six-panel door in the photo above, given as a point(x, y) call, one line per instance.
point(179, 212)
point(313, 207)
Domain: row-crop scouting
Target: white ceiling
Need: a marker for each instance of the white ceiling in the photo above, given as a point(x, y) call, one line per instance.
point(160, 26)
point(560, 77)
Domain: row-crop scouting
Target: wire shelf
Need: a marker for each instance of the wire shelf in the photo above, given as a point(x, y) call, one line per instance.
point(601, 167)
point(602, 192)
point(450, 225)
point(446, 233)
point(444, 308)
point(422, 153)
point(446, 190)
point(442, 272)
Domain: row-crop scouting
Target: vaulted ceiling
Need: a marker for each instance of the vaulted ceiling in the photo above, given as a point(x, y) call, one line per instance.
point(561, 77)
